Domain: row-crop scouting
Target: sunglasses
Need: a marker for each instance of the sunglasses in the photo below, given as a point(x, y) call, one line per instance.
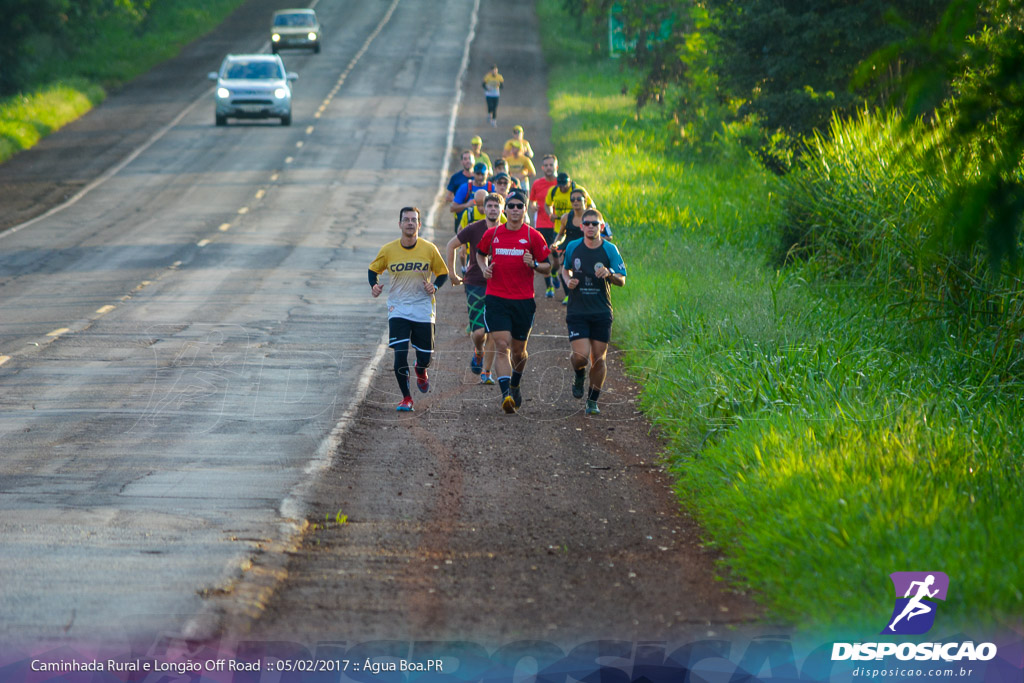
point(515, 206)
point(591, 223)
point(577, 199)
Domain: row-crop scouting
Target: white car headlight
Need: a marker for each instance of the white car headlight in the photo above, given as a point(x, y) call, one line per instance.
point(312, 36)
point(276, 37)
point(223, 93)
point(280, 93)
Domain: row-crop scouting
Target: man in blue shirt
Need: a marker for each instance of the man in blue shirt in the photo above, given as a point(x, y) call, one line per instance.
point(590, 267)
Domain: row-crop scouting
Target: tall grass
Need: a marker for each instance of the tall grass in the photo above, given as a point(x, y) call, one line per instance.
point(824, 435)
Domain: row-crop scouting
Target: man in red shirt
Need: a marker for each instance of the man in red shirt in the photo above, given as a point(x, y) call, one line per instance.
point(517, 251)
point(541, 220)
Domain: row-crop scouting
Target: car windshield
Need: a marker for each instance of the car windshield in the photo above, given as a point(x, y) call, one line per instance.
point(254, 70)
point(293, 20)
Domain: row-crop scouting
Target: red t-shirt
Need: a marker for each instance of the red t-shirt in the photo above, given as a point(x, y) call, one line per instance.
point(511, 278)
point(538, 192)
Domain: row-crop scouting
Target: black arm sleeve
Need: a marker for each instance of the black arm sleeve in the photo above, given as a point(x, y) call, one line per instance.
point(441, 279)
point(372, 276)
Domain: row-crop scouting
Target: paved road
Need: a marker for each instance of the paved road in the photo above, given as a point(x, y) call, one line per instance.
point(178, 345)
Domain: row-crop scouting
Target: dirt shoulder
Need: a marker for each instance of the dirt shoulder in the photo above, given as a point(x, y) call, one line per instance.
point(460, 522)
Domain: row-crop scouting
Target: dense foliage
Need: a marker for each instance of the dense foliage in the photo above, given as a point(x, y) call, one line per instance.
point(856, 409)
point(36, 34)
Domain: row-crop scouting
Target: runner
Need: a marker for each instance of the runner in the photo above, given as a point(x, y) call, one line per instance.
point(463, 199)
point(476, 284)
point(570, 229)
point(503, 184)
point(501, 167)
point(517, 136)
point(557, 201)
point(519, 166)
point(592, 265)
point(458, 179)
point(476, 146)
point(411, 307)
point(493, 83)
point(541, 220)
point(516, 251)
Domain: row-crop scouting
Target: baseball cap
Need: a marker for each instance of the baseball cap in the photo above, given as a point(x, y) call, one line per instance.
point(480, 167)
point(517, 194)
point(476, 140)
point(563, 178)
point(501, 176)
point(517, 129)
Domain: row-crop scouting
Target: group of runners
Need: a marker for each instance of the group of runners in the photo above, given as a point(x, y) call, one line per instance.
point(508, 230)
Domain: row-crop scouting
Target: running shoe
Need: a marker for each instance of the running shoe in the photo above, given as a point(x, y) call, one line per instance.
point(557, 280)
point(476, 364)
point(508, 404)
point(486, 378)
point(592, 408)
point(565, 301)
point(550, 293)
point(577, 386)
point(517, 396)
point(405, 406)
point(422, 381)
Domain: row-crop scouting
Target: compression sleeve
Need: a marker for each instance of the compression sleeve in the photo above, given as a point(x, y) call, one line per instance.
point(372, 276)
point(441, 279)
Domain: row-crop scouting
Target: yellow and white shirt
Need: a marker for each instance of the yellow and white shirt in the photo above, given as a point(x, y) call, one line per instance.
point(410, 268)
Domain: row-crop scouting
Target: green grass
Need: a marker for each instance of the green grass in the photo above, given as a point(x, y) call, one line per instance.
point(25, 119)
point(825, 432)
point(110, 53)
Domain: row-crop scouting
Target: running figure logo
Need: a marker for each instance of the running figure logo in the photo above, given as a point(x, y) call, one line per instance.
point(912, 615)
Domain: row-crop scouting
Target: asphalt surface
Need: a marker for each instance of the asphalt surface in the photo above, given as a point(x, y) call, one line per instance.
point(179, 344)
point(192, 392)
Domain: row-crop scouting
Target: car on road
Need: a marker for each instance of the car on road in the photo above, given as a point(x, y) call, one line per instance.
point(253, 87)
point(295, 28)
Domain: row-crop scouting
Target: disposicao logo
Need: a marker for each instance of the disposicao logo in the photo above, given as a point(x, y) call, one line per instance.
point(913, 614)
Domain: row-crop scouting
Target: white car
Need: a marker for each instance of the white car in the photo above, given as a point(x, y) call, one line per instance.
point(253, 87)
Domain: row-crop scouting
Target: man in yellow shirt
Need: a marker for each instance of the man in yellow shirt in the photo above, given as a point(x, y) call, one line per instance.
point(517, 136)
point(417, 271)
point(476, 145)
point(493, 83)
point(520, 166)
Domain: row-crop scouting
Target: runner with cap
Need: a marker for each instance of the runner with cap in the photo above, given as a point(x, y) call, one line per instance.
point(524, 144)
point(517, 251)
point(501, 166)
point(541, 220)
point(592, 265)
point(464, 196)
point(558, 202)
point(519, 166)
point(476, 145)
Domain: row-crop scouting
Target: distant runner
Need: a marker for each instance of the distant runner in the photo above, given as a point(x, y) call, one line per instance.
point(417, 270)
point(591, 266)
point(517, 251)
point(541, 220)
point(493, 83)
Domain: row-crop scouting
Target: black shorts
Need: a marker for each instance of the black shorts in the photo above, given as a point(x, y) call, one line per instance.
point(595, 328)
point(549, 234)
point(510, 315)
point(401, 331)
